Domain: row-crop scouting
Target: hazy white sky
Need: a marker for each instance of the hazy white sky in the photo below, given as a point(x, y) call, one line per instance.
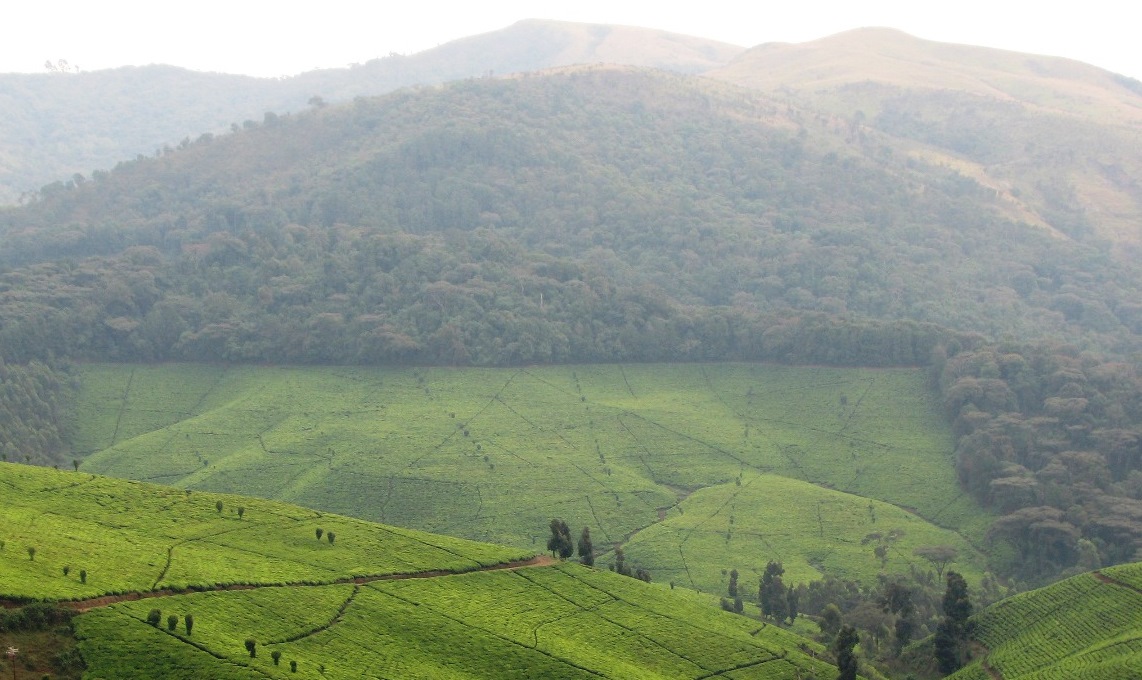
point(284, 38)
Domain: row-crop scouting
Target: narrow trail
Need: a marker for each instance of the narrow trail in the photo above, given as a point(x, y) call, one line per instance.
point(107, 600)
point(1110, 580)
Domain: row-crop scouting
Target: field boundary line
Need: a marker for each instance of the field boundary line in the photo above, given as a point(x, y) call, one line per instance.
point(540, 560)
point(473, 417)
point(201, 647)
point(742, 666)
point(122, 407)
point(626, 382)
point(494, 634)
point(325, 626)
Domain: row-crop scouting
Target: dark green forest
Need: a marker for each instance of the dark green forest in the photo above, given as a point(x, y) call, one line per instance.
point(599, 215)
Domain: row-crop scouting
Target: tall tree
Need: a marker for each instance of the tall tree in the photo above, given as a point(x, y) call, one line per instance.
point(586, 548)
point(560, 541)
point(953, 632)
point(847, 639)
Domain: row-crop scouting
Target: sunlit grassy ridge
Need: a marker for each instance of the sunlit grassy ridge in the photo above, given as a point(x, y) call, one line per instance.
point(128, 536)
point(553, 622)
point(811, 530)
point(493, 454)
point(1087, 627)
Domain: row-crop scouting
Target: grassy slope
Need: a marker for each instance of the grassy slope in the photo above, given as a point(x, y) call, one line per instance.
point(493, 454)
point(554, 622)
point(130, 536)
point(1087, 627)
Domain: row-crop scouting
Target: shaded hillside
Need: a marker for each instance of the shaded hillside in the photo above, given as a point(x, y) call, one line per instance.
point(60, 124)
point(1056, 140)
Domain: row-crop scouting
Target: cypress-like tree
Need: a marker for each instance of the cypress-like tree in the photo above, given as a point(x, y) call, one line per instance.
point(953, 632)
point(843, 646)
point(586, 548)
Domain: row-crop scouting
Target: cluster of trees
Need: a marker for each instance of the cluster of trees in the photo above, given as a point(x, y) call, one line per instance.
point(1052, 438)
point(35, 402)
point(776, 601)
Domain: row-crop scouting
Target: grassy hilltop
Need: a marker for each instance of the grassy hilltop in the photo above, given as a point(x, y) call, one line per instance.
point(803, 459)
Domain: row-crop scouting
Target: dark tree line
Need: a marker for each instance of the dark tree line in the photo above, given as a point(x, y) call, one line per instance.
point(1051, 438)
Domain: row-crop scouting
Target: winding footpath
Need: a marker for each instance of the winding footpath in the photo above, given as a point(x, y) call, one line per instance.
point(81, 606)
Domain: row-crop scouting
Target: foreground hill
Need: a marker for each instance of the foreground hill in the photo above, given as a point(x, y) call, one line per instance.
point(565, 621)
point(1087, 627)
point(78, 536)
point(1055, 140)
point(60, 124)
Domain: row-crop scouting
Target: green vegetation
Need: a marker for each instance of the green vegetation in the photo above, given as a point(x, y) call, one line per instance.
point(134, 537)
point(552, 622)
point(612, 448)
point(813, 531)
point(1084, 627)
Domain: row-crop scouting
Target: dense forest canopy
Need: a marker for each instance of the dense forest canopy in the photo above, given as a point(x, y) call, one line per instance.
point(609, 214)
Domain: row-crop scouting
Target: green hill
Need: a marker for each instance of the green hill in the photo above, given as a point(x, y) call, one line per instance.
point(494, 454)
point(61, 124)
point(1087, 627)
point(95, 536)
point(554, 622)
point(130, 538)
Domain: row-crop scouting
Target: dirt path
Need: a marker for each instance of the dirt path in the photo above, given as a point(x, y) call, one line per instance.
point(1115, 582)
point(106, 600)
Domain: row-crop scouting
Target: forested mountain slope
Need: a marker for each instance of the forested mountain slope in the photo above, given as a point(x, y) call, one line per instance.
point(60, 124)
point(592, 214)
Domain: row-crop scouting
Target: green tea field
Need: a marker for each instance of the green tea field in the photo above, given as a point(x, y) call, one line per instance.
point(73, 536)
point(1088, 626)
point(494, 454)
point(170, 586)
point(550, 622)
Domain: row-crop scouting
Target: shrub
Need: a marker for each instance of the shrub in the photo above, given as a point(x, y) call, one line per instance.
point(276, 656)
point(32, 553)
point(293, 666)
point(66, 569)
point(155, 617)
point(172, 622)
point(218, 506)
point(319, 531)
point(241, 512)
point(330, 536)
point(252, 647)
point(189, 621)
point(83, 576)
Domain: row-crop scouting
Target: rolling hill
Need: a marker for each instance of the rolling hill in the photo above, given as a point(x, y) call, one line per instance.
point(563, 621)
point(61, 124)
